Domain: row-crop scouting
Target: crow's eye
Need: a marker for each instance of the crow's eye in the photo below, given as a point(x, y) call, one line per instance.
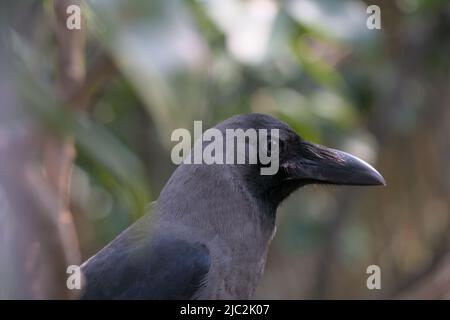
point(277, 142)
point(274, 143)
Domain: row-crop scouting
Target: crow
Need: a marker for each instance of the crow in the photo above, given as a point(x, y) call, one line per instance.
point(208, 234)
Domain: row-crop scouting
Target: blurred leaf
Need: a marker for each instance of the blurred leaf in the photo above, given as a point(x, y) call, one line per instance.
point(110, 156)
point(341, 20)
point(113, 156)
point(317, 68)
point(157, 46)
point(247, 26)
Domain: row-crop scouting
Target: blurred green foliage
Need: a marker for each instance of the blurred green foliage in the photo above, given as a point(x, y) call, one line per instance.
point(313, 64)
point(208, 60)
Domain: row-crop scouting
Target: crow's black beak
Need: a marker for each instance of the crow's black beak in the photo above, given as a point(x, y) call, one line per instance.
point(318, 164)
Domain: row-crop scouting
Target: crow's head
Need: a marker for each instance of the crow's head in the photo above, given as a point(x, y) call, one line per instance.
point(300, 162)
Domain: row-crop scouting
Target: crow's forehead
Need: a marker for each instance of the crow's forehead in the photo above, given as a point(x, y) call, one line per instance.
point(257, 121)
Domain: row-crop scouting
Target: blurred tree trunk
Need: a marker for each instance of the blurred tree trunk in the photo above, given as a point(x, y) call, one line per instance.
point(59, 152)
point(38, 237)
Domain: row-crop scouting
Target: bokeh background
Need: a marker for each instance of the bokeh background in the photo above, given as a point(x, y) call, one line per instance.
point(93, 109)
